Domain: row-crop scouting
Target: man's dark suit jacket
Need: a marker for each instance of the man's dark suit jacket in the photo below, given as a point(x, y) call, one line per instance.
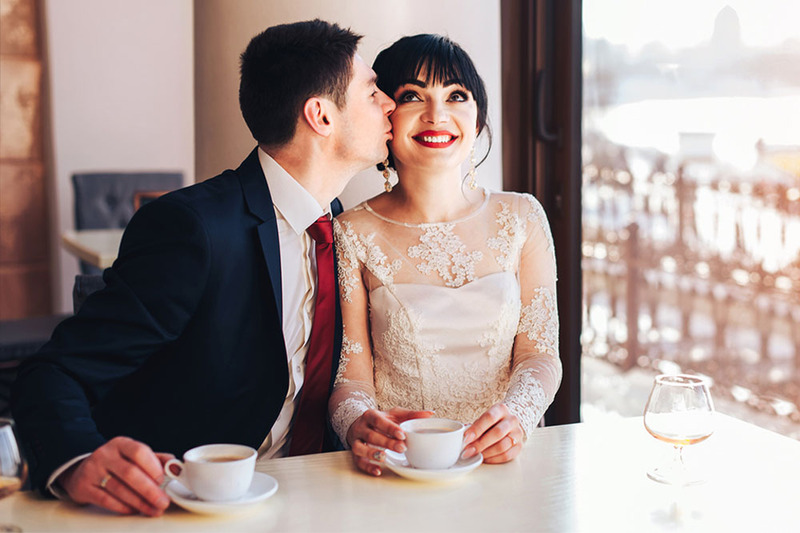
point(183, 347)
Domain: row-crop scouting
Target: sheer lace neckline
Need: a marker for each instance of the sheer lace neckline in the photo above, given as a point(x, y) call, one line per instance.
point(430, 224)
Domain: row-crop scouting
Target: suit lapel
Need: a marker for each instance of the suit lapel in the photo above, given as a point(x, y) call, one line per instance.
point(259, 201)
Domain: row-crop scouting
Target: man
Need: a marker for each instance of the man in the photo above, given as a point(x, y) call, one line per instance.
point(205, 325)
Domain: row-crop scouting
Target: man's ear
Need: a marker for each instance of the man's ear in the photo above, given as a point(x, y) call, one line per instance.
point(317, 116)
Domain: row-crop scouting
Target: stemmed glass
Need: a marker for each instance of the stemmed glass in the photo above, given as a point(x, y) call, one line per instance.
point(13, 469)
point(680, 412)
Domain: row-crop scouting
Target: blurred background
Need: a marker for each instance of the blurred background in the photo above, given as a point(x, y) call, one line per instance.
point(691, 199)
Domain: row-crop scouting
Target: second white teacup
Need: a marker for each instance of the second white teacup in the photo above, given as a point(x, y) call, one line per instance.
point(433, 443)
point(215, 472)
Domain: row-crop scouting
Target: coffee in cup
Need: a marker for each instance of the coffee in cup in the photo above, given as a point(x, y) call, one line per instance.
point(433, 443)
point(215, 472)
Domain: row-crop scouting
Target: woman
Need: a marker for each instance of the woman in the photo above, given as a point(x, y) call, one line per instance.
point(447, 292)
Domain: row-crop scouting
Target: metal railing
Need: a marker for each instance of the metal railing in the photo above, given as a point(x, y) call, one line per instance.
point(689, 263)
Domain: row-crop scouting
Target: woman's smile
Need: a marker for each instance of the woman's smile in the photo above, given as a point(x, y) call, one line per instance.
point(435, 139)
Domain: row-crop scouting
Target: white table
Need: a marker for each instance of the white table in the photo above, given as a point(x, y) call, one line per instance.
point(98, 247)
point(581, 477)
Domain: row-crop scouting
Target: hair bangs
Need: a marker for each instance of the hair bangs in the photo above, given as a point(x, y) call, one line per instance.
point(439, 65)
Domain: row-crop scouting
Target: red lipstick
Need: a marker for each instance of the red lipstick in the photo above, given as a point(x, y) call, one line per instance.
point(435, 139)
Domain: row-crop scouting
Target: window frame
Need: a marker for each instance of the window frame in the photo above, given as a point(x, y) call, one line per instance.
point(541, 43)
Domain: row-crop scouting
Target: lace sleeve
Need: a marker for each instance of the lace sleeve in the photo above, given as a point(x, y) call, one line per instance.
point(354, 390)
point(536, 373)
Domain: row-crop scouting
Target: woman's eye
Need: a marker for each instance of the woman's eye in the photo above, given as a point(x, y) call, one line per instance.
point(459, 96)
point(408, 96)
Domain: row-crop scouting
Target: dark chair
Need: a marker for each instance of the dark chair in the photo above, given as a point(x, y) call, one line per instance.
point(106, 200)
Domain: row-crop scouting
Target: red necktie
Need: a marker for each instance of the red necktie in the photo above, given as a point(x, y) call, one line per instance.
point(309, 424)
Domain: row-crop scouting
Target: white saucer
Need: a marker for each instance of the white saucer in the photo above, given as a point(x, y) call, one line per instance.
point(397, 463)
point(262, 487)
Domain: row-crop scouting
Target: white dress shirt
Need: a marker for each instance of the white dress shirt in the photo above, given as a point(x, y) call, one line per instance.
point(295, 210)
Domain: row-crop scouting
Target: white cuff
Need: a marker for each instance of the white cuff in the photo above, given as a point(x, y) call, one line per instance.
point(55, 488)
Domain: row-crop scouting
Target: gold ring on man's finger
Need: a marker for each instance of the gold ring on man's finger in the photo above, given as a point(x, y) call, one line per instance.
point(104, 481)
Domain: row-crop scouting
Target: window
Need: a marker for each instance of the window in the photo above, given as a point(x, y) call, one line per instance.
point(688, 160)
point(691, 203)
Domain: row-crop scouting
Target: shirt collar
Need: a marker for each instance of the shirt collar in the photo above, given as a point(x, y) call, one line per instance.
point(291, 199)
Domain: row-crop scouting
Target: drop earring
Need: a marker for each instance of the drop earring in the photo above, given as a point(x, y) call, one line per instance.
point(471, 174)
point(384, 168)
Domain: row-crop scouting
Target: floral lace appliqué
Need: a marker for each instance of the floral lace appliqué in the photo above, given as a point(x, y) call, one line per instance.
point(539, 321)
point(349, 410)
point(537, 214)
point(399, 356)
point(510, 237)
point(364, 249)
point(346, 260)
point(349, 346)
point(499, 338)
point(442, 251)
point(526, 399)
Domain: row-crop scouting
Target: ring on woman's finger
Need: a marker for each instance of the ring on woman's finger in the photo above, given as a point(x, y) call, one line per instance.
point(377, 455)
point(513, 440)
point(104, 481)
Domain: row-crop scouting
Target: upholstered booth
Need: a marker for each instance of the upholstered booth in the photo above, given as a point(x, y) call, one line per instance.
point(108, 199)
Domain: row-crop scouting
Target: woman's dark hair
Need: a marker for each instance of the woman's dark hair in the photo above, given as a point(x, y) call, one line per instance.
point(286, 65)
point(433, 59)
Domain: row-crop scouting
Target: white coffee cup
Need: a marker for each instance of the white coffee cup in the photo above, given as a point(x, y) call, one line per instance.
point(433, 443)
point(215, 472)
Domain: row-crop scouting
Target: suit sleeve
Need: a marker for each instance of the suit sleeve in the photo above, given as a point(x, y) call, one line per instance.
point(151, 293)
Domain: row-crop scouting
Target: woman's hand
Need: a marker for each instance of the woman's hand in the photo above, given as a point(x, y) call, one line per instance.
point(375, 431)
point(497, 434)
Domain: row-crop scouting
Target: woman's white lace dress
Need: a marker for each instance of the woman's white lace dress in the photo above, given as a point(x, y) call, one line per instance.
point(451, 317)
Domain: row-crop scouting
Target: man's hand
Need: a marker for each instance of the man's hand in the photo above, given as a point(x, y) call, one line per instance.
point(123, 476)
